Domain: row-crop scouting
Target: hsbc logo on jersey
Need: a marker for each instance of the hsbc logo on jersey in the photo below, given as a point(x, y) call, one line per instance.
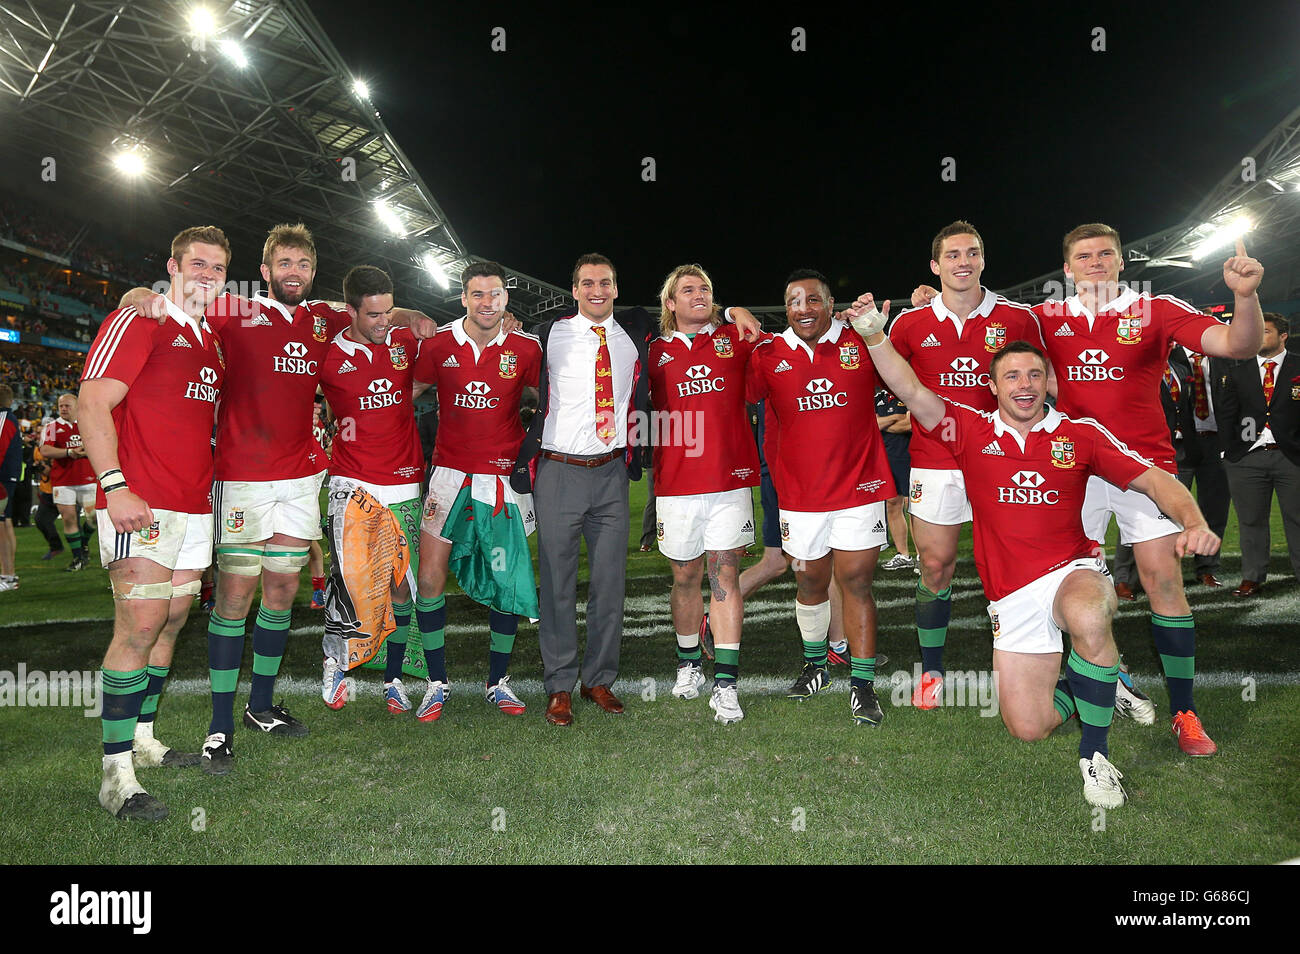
point(700, 381)
point(1027, 490)
point(381, 395)
point(203, 391)
point(476, 396)
point(822, 394)
point(965, 373)
point(294, 360)
point(1092, 367)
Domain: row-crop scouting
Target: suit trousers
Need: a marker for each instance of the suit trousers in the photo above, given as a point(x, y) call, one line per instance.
point(1253, 479)
point(575, 504)
point(649, 516)
point(1211, 494)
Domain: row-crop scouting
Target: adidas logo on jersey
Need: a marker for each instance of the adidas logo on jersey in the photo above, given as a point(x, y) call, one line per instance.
point(346, 366)
point(1064, 332)
point(993, 448)
point(259, 320)
point(664, 359)
point(783, 366)
point(180, 342)
point(451, 362)
point(931, 341)
point(879, 527)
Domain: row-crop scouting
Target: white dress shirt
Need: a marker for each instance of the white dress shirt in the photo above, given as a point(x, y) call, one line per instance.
point(570, 426)
point(1266, 437)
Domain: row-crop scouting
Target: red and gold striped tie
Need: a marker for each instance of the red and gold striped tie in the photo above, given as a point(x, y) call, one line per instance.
point(606, 429)
point(1199, 395)
point(1268, 383)
point(1171, 382)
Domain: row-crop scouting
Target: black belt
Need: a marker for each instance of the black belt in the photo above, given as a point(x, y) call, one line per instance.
point(579, 461)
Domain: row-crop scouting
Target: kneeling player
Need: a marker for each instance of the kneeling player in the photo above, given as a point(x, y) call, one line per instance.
point(147, 406)
point(703, 490)
point(832, 477)
point(368, 378)
point(472, 517)
point(1026, 469)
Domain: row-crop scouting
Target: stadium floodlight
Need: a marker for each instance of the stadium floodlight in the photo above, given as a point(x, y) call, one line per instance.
point(234, 52)
point(1221, 235)
point(361, 89)
point(434, 268)
point(202, 22)
point(390, 218)
point(130, 162)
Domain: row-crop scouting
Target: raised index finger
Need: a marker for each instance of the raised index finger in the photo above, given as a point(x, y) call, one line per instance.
point(1241, 247)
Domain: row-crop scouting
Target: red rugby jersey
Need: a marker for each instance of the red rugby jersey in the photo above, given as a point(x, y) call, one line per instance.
point(822, 403)
point(174, 374)
point(955, 364)
point(368, 388)
point(1109, 366)
point(479, 430)
point(701, 435)
point(275, 356)
point(64, 471)
point(1026, 499)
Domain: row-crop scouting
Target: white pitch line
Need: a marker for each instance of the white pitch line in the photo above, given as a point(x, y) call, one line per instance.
point(371, 682)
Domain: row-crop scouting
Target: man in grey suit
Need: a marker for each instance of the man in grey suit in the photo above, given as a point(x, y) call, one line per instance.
point(582, 448)
point(1261, 410)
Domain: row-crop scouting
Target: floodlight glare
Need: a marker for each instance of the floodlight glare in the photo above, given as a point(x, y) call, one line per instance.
point(390, 218)
point(202, 21)
point(361, 89)
point(1224, 234)
point(234, 53)
point(434, 268)
point(129, 162)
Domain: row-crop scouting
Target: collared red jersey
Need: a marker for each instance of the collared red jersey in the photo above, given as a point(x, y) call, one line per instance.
point(275, 356)
point(955, 363)
point(1110, 366)
point(64, 471)
point(700, 430)
point(822, 403)
point(479, 392)
point(1027, 497)
point(369, 390)
point(174, 374)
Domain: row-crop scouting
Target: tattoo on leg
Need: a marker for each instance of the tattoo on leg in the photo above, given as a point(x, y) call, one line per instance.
point(718, 559)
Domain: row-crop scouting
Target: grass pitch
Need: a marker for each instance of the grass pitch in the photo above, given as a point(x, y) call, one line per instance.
point(793, 782)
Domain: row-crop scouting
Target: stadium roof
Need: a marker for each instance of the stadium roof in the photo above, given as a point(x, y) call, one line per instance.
point(244, 115)
point(1262, 194)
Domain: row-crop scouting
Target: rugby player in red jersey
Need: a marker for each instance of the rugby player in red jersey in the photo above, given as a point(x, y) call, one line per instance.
point(1108, 345)
point(949, 343)
point(832, 478)
point(705, 466)
point(71, 478)
point(481, 372)
point(1027, 470)
point(146, 410)
point(368, 375)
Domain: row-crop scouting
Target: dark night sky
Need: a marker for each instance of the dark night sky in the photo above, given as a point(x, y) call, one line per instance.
point(769, 159)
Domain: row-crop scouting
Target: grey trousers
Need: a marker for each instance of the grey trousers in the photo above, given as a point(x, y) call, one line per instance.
point(1253, 479)
point(573, 504)
point(1211, 494)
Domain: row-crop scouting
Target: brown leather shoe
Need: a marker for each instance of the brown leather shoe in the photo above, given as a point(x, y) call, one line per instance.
point(603, 698)
point(645, 548)
point(1124, 592)
point(1208, 579)
point(1248, 588)
point(559, 709)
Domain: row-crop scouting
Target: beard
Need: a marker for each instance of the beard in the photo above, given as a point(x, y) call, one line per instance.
point(287, 297)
